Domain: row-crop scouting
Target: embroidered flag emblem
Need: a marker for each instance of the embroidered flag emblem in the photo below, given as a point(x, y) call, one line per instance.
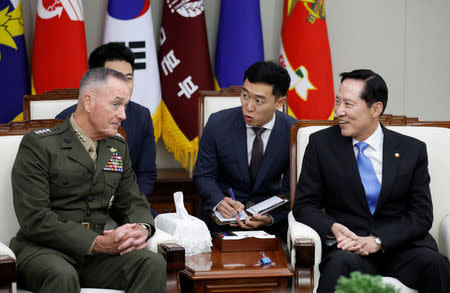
point(114, 164)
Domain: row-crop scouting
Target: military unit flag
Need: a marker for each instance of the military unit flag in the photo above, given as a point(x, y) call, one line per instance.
point(305, 53)
point(239, 41)
point(14, 83)
point(184, 68)
point(59, 46)
point(130, 22)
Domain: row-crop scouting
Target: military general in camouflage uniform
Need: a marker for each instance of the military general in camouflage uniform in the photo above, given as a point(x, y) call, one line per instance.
point(67, 181)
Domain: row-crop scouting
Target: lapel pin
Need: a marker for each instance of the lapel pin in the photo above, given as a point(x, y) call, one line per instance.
point(396, 155)
point(113, 150)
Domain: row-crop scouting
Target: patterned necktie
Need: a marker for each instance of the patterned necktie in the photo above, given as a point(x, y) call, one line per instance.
point(257, 153)
point(367, 173)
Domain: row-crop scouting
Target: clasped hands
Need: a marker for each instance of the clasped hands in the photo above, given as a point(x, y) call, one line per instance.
point(347, 240)
point(121, 240)
point(230, 208)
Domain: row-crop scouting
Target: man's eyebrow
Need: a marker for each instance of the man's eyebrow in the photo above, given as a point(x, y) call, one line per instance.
point(259, 96)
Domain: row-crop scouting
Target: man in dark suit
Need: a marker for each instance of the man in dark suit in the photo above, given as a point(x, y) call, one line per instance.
point(66, 182)
point(138, 125)
point(365, 190)
point(232, 154)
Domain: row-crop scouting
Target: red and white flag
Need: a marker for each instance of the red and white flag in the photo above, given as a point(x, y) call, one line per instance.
point(184, 69)
point(305, 53)
point(59, 57)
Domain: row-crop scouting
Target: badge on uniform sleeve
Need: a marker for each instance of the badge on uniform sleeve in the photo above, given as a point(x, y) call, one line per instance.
point(115, 162)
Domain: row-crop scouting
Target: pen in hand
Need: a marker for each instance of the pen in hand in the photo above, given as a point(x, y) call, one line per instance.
point(230, 191)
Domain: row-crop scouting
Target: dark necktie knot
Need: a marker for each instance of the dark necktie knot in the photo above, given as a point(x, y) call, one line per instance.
point(258, 130)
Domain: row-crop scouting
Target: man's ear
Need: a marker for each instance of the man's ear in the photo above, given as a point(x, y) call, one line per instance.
point(88, 102)
point(280, 102)
point(377, 109)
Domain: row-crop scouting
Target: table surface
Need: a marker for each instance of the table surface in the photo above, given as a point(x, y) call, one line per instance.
point(222, 265)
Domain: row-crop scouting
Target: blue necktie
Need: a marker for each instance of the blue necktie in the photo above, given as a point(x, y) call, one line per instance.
point(370, 181)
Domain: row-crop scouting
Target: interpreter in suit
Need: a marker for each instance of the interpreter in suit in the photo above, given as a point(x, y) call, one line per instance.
point(229, 143)
point(67, 181)
point(138, 125)
point(365, 190)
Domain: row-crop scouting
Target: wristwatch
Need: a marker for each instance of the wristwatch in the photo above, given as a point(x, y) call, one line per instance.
point(146, 227)
point(378, 241)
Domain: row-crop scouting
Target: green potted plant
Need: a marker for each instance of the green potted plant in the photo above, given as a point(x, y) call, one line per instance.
point(363, 283)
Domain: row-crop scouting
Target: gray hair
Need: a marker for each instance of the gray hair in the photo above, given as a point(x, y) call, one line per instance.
point(96, 77)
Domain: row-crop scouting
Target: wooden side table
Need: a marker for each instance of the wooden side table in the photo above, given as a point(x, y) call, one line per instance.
point(169, 181)
point(235, 272)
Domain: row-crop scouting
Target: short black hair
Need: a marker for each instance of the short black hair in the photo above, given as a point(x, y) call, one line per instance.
point(270, 73)
point(375, 89)
point(113, 51)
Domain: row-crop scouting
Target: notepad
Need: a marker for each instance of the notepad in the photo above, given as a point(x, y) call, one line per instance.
point(267, 205)
point(222, 219)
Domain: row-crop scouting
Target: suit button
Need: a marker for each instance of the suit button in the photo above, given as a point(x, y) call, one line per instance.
point(89, 198)
point(88, 213)
point(67, 139)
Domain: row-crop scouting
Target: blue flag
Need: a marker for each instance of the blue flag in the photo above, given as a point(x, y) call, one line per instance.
point(239, 40)
point(13, 61)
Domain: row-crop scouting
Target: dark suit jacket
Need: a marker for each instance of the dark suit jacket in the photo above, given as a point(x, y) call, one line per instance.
point(222, 163)
point(330, 180)
point(141, 143)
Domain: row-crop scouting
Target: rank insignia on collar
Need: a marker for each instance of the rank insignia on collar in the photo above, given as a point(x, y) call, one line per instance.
point(42, 131)
point(114, 164)
point(113, 150)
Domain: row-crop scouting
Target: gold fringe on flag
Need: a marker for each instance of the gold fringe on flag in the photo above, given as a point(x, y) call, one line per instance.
point(157, 121)
point(184, 151)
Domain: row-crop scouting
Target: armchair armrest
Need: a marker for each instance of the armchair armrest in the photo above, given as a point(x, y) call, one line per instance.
point(305, 248)
point(444, 236)
point(174, 255)
point(7, 268)
point(165, 244)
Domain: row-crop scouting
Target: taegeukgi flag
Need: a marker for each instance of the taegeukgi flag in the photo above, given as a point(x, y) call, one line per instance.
point(130, 22)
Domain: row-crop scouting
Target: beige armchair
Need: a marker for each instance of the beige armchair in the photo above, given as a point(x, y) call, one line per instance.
point(10, 137)
point(305, 245)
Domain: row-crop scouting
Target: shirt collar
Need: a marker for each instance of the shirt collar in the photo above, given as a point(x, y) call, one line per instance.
point(375, 139)
point(85, 140)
